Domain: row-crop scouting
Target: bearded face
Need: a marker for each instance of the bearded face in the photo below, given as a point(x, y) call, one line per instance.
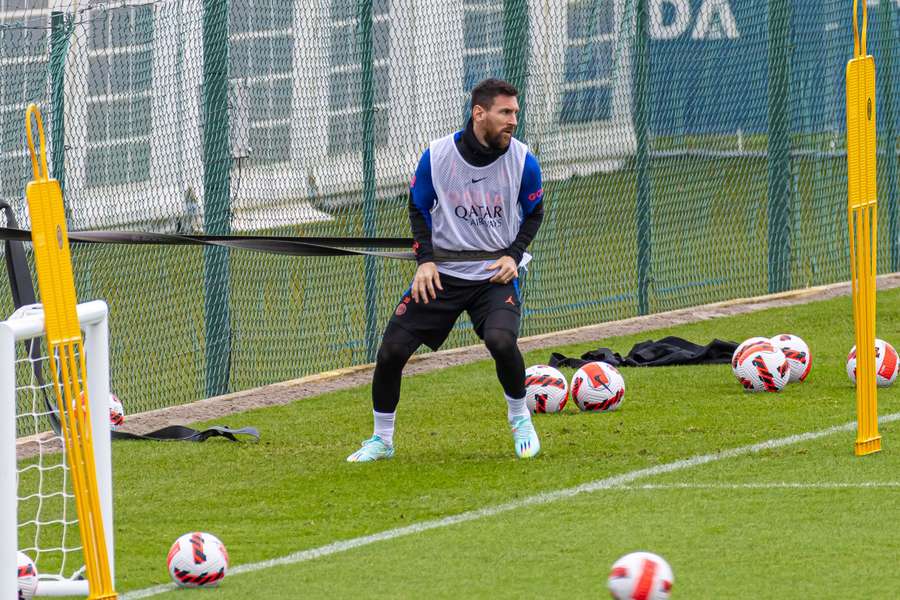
point(496, 124)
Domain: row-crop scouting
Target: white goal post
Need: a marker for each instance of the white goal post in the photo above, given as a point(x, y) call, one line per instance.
point(24, 432)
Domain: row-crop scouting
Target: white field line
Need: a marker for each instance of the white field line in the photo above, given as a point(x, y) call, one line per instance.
point(616, 481)
point(773, 485)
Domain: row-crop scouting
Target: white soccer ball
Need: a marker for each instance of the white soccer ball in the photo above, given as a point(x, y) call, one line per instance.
point(735, 358)
point(797, 354)
point(886, 364)
point(197, 560)
point(546, 390)
point(598, 387)
point(116, 412)
point(763, 368)
point(27, 576)
point(641, 575)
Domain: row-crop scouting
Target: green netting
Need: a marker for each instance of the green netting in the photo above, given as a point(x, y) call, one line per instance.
point(692, 151)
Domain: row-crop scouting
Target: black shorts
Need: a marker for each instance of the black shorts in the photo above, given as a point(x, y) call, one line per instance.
point(490, 306)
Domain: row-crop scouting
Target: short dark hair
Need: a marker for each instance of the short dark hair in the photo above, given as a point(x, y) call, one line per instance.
point(484, 93)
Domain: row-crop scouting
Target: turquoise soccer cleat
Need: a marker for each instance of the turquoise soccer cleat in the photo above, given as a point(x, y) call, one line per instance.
point(373, 448)
point(525, 437)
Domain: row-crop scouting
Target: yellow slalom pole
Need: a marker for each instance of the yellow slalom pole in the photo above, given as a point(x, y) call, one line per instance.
point(57, 287)
point(862, 219)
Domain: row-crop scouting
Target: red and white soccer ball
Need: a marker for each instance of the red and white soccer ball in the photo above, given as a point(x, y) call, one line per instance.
point(797, 354)
point(761, 367)
point(735, 358)
point(641, 576)
point(546, 390)
point(886, 364)
point(116, 412)
point(598, 387)
point(197, 559)
point(27, 576)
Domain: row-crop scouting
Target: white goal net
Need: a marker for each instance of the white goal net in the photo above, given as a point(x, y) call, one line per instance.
point(38, 514)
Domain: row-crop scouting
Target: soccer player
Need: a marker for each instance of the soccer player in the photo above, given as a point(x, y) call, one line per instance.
point(474, 190)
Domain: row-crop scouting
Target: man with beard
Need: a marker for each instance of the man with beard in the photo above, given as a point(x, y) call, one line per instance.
point(474, 190)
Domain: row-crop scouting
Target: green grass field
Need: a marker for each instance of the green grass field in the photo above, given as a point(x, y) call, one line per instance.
point(805, 519)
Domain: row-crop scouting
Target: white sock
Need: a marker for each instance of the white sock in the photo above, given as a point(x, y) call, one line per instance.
point(384, 426)
point(515, 407)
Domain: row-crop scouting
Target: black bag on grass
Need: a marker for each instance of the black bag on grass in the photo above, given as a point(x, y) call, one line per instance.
point(665, 352)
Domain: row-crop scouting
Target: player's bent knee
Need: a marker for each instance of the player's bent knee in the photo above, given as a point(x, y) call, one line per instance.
point(397, 346)
point(393, 355)
point(500, 342)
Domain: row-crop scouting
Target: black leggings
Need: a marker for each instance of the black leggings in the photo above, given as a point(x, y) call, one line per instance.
point(398, 345)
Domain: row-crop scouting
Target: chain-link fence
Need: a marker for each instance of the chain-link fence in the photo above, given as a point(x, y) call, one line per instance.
point(692, 151)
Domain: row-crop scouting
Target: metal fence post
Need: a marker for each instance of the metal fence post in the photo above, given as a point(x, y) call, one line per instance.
point(644, 188)
point(779, 123)
point(370, 214)
point(217, 194)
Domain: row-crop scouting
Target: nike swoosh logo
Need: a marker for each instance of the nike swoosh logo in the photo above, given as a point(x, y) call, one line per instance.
point(477, 180)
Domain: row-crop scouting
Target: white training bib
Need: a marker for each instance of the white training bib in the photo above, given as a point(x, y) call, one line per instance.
point(477, 208)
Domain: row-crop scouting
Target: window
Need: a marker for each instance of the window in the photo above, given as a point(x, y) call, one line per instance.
point(483, 41)
point(262, 56)
point(119, 80)
point(589, 62)
point(24, 39)
point(345, 80)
